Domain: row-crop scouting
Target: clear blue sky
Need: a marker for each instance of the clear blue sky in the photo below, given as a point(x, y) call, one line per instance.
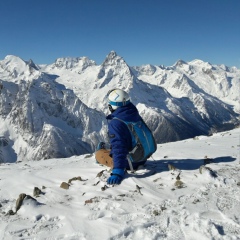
point(141, 31)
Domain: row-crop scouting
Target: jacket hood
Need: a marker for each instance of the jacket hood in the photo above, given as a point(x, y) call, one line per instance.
point(127, 113)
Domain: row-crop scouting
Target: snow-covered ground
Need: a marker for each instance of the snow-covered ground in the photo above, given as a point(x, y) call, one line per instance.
point(150, 204)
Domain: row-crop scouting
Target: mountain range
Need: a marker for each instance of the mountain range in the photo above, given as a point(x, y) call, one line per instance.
point(59, 110)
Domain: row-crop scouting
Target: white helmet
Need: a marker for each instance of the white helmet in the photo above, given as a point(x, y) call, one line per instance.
point(117, 98)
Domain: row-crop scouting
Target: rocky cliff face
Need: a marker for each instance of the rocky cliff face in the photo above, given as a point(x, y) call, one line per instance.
point(59, 110)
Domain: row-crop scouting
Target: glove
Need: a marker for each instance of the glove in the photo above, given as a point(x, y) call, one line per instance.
point(117, 176)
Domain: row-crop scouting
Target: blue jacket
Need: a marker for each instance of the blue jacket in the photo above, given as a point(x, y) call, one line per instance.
point(120, 136)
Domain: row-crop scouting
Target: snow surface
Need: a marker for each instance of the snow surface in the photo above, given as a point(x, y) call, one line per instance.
point(202, 206)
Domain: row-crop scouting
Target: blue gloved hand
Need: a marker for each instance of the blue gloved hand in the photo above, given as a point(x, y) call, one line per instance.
point(117, 176)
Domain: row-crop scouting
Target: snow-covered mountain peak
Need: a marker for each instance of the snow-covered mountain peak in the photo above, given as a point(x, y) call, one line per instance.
point(79, 63)
point(147, 69)
point(113, 59)
point(31, 64)
point(180, 63)
point(112, 55)
point(234, 69)
point(182, 66)
point(13, 67)
point(12, 62)
point(114, 72)
point(224, 67)
point(200, 64)
point(13, 59)
point(196, 62)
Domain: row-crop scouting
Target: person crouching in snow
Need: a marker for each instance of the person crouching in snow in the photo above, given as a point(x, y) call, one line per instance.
point(122, 111)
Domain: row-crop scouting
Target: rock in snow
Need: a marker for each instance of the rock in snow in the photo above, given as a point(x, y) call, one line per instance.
point(155, 202)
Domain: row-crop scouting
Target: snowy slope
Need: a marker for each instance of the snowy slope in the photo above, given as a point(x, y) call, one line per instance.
point(203, 204)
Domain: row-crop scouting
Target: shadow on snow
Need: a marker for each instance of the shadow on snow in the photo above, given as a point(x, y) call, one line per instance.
point(159, 166)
